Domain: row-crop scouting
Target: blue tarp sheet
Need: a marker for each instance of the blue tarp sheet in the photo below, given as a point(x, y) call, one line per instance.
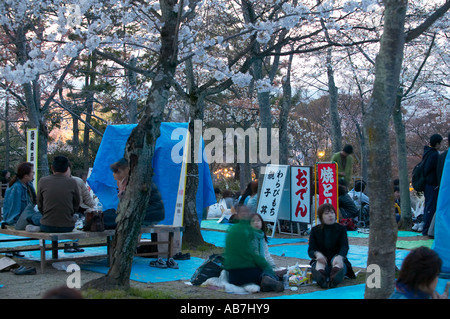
point(442, 220)
point(167, 172)
point(346, 292)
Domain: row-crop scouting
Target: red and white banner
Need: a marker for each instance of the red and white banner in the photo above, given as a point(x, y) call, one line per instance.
point(301, 194)
point(327, 183)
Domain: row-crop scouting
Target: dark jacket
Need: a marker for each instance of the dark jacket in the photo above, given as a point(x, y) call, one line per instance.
point(347, 207)
point(330, 240)
point(155, 209)
point(440, 166)
point(430, 165)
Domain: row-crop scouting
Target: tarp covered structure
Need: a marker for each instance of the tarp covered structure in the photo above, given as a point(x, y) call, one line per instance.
point(442, 220)
point(166, 171)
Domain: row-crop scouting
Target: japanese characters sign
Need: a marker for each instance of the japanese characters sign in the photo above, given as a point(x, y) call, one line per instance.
point(271, 196)
point(32, 151)
point(301, 194)
point(327, 183)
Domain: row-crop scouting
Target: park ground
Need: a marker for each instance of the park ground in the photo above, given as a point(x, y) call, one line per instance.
point(34, 286)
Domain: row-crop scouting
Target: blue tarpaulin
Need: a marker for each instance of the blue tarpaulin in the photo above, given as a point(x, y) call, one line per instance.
point(166, 171)
point(442, 220)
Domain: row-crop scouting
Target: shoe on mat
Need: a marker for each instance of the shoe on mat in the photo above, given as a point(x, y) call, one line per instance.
point(320, 277)
point(180, 256)
point(270, 284)
point(159, 263)
point(69, 249)
point(23, 270)
point(336, 276)
point(172, 263)
point(32, 228)
point(77, 248)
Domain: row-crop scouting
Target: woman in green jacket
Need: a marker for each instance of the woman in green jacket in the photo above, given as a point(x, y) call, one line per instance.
point(243, 263)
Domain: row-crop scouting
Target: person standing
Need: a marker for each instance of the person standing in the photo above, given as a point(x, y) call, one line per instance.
point(344, 159)
point(431, 152)
point(58, 198)
point(441, 161)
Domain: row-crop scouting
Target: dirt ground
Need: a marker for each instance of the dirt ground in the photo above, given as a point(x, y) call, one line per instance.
point(34, 286)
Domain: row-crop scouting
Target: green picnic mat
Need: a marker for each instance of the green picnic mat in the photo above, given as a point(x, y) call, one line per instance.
point(401, 233)
point(411, 244)
point(213, 224)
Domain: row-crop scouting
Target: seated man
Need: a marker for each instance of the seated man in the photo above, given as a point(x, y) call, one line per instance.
point(58, 198)
point(357, 194)
point(86, 200)
point(361, 200)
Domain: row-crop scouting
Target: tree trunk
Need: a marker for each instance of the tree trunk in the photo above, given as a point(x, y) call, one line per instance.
point(132, 102)
point(284, 115)
point(383, 227)
point(7, 140)
point(89, 107)
point(75, 134)
point(139, 151)
point(405, 200)
point(336, 135)
point(192, 237)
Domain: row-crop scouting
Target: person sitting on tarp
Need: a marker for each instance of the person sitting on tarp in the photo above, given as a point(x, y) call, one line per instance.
point(243, 263)
point(398, 211)
point(155, 209)
point(260, 238)
point(328, 248)
point(249, 197)
point(20, 194)
point(347, 208)
point(361, 201)
point(418, 276)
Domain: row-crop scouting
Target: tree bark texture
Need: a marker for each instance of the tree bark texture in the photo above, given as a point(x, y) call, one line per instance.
point(139, 151)
point(405, 200)
point(383, 227)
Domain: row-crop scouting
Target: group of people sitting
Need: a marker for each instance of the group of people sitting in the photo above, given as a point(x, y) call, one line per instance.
point(228, 203)
point(247, 259)
point(52, 207)
point(62, 198)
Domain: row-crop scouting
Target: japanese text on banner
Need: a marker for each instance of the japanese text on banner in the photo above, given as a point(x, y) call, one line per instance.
point(327, 182)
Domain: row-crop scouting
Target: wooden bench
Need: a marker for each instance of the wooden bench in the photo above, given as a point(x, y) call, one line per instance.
point(54, 238)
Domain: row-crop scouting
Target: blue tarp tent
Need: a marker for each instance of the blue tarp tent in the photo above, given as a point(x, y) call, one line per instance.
point(442, 220)
point(166, 171)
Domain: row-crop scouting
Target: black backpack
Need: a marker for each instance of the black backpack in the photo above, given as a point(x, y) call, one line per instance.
point(418, 175)
point(210, 268)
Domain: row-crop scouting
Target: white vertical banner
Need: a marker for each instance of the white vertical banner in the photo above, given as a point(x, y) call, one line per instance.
point(301, 194)
point(179, 205)
point(272, 191)
point(32, 152)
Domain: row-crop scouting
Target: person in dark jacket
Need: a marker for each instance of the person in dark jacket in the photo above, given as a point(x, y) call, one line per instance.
point(347, 207)
point(328, 248)
point(431, 182)
point(441, 161)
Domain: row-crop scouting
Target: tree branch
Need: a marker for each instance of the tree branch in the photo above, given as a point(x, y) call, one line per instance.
point(414, 33)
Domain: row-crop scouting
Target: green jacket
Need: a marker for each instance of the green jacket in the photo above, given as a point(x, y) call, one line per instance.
point(239, 251)
point(348, 166)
